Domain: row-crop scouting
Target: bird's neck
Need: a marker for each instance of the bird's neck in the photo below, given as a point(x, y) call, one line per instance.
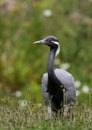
point(51, 74)
point(51, 61)
point(54, 84)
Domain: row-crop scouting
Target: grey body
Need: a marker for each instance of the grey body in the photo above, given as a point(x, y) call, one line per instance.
point(68, 82)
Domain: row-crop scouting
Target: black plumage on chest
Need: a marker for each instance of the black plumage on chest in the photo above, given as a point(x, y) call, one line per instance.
point(56, 93)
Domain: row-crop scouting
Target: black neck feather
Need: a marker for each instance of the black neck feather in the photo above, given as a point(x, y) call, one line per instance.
point(54, 85)
point(51, 73)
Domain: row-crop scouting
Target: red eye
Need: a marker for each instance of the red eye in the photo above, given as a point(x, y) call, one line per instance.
point(50, 40)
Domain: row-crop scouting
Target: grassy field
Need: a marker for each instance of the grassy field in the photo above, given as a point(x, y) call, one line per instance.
point(17, 115)
point(22, 64)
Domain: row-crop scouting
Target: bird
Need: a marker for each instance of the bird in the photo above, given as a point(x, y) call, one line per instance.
point(58, 86)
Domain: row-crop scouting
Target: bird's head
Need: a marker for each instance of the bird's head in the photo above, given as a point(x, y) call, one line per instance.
point(50, 41)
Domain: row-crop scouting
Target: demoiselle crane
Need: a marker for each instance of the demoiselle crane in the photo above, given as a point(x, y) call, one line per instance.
point(57, 84)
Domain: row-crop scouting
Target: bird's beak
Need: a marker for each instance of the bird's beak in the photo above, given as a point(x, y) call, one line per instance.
point(38, 42)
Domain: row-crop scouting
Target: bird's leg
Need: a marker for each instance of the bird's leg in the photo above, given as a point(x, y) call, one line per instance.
point(68, 109)
point(49, 112)
point(49, 107)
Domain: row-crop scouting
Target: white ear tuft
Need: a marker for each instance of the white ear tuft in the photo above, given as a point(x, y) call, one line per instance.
point(58, 49)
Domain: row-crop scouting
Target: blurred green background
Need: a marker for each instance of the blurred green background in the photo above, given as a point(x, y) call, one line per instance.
point(22, 64)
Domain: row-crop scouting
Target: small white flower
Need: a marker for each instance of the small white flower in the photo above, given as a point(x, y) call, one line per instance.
point(57, 61)
point(77, 93)
point(17, 94)
point(39, 105)
point(47, 13)
point(85, 89)
point(77, 84)
point(23, 103)
point(65, 66)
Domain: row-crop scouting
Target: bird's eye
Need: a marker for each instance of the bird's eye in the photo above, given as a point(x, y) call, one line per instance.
point(50, 40)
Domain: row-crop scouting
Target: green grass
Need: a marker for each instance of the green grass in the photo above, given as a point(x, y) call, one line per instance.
point(34, 117)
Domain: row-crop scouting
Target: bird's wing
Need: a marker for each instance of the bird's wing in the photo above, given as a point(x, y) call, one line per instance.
point(68, 81)
point(66, 78)
point(44, 88)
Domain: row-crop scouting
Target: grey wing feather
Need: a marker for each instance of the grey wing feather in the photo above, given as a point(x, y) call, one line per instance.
point(68, 82)
point(44, 89)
